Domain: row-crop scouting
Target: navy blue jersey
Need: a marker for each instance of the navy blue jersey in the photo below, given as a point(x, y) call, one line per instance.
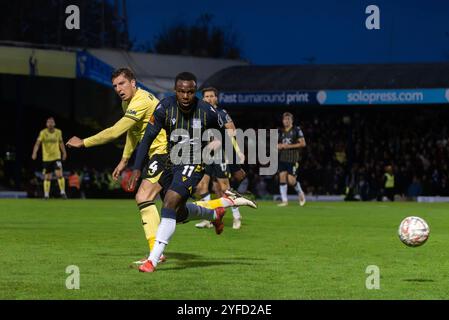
point(225, 118)
point(224, 115)
point(169, 116)
point(291, 136)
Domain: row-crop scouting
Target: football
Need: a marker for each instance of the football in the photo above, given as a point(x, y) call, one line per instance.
point(413, 231)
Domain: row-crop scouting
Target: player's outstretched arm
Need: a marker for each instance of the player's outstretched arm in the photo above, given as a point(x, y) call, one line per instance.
point(105, 136)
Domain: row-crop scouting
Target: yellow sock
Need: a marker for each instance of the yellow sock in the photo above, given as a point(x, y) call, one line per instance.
point(214, 204)
point(150, 221)
point(47, 185)
point(61, 182)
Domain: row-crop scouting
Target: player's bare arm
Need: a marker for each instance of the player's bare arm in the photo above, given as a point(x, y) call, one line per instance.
point(119, 168)
point(105, 136)
point(36, 149)
point(63, 150)
point(75, 142)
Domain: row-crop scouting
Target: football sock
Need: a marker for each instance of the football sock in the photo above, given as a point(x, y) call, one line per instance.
point(298, 188)
point(61, 183)
point(47, 185)
point(150, 221)
point(157, 251)
point(236, 213)
point(165, 231)
point(283, 189)
point(196, 212)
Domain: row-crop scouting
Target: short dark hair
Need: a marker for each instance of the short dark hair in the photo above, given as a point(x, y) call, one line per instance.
point(287, 114)
point(210, 89)
point(185, 76)
point(50, 117)
point(126, 72)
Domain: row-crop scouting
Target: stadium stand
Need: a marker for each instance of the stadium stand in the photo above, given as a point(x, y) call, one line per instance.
point(318, 77)
point(349, 146)
point(72, 85)
point(346, 153)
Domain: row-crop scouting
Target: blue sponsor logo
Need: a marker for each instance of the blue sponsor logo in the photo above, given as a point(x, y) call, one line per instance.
point(383, 96)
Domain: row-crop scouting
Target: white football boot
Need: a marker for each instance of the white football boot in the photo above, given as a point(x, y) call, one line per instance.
point(302, 199)
point(204, 224)
point(237, 224)
point(238, 200)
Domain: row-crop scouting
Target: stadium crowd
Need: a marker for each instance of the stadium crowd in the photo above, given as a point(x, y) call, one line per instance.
point(346, 154)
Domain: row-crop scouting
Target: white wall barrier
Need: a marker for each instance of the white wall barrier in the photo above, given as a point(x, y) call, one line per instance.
point(433, 199)
point(12, 194)
point(317, 198)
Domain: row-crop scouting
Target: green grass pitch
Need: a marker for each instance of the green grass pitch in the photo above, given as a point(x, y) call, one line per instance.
point(320, 251)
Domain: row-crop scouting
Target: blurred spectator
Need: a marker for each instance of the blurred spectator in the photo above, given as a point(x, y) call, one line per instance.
point(389, 183)
point(260, 187)
point(74, 182)
point(346, 148)
point(86, 183)
point(415, 189)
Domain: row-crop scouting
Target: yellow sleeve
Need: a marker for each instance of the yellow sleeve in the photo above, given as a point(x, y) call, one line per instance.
point(111, 133)
point(41, 136)
point(131, 143)
point(60, 136)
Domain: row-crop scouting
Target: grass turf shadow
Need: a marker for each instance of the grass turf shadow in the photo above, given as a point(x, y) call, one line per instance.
point(418, 280)
point(191, 261)
point(192, 264)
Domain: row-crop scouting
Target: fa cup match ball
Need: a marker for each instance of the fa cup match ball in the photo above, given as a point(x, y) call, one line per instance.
point(413, 231)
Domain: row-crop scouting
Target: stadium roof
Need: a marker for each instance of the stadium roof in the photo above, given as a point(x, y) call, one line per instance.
point(157, 71)
point(154, 71)
point(318, 77)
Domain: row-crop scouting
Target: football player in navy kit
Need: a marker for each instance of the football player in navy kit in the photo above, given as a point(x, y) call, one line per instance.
point(291, 139)
point(185, 118)
point(220, 173)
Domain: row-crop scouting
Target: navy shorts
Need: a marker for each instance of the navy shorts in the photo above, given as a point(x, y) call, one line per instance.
point(185, 179)
point(290, 167)
point(220, 171)
point(234, 167)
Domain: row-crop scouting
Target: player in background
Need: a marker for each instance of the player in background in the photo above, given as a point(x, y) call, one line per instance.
point(291, 139)
point(219, 172)
point(52, 145)
point(185, 119)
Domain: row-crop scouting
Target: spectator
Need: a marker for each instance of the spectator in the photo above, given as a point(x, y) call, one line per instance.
point(389, 183)
point(74, 185)
point(415, 189)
